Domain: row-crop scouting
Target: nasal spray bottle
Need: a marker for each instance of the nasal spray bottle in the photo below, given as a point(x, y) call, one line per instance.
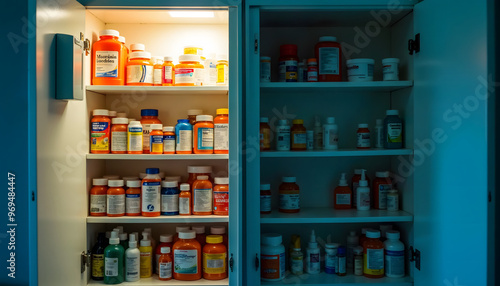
point(363, 193)
point(132, 260)
point(312, 256)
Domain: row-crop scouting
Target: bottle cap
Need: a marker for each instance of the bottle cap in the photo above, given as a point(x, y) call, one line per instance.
point(217, 230)
point(134, 183)
point(222, 57)
point(379, 122)
point(121, 115)
point(132, 242)
point(392, 234)
point(271, 239)
point(384, 174)
point(358, 250)
point(165, 249)
point(194, 111)
point(123, 236)
point(115, 183)
point(289, 179)
point(222, 111)
point(169, 184)
point(327, 39)
point(352, 238)
point(202, 178)
point(198, 229)
point(189, 58)
point(140, 55)
point(332, 245)
point(112, 113)
point(200, 169)
point(372, 233)
point(288, 50)
point(204, 118)
point(363, 182)
point(265, 187)
point(363, 125)
point(148, 230)
point(183, 121)
point(312, 240)
point(341, 251)
point(114, 238)
point(156, 59)
point(214, 239)
point(109, 32)
point(152, 171)
point(185, 187)
point(312, 61)
point(392, 112)
point(390, 61)
point(181, 228)
point(156, 127)
point(166, 238)
point(100, 112)
point(111, 177)
point(137, 47)
point(133, 122)
point(298, 121)
point(149, 112)
point(173, 178)
point(100, 182)
point(343, 181)
point(330, 120)
point(145, 240)
point(168, 59)
point(264, 120)
point(221, 181)
point(187, 234)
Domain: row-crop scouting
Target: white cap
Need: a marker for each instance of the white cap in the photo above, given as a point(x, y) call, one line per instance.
point(112, 113)
point(181, 228)
point(198, 229)
point(145, 240)
point(363, 125)
point(121, 39)
point(352, 238)
point(168, 59)
point(137, 47)
point(123, 236)
point(271, 239)
point(173, 178)
point(119, 120)
point(169, 184)
point(132, 242)
point(289, 179)
point(130, 120)
point(372, 233)
point(200, 169)
point(221, 181)
point(332, 245)
point(202, 178)
point(358, 250)
point(134, 184)
point(114, 238)
point(156, 126)
point(265, 187)
point(185, 187)
point(204, 118)
point(218, 230)
point(111, 177)
point(392, 234)
point(222, 57)
point(264, 120)
point(363, 182)
point(166, 238)
point(189, 58)
point(384, 174)
point(140, 55)
point(379, 122)
point(392, 112)
point(121, 114)
point(115, 183)
point(165, 249)
point(194, 111)
point(109, 32)
point(187, 234)
point(168, 129)
point(100, 182)
point(330, 120)
point(142, 175)
point(134, 123)
point(327, 39)
point(100, 112)
point(343, 181)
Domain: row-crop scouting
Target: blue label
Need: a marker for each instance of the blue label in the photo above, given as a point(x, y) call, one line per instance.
point(151, 183)
point(394, 253)
point(99, 126)
point(132, 195)
point(113, 73)
point(205, 139)
point(156, 139)
point(135, 129)
point(168, 137)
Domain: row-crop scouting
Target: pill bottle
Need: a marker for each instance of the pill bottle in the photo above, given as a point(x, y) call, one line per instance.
point(373, 254)
point(394, 255)
point(200, 234)
point(178, 229)
point(393, 200)
point(131, 119)
point(111, 177)
point(189, 71)
point(272, 257)
point(393, 130)
point(283, 136)
point(288, 63)
point(165, 264)
point(302, 74)
point(140, 69)
point(168, 140)
point(157, 70)
point(363, 136)
point(382, 184)
point(150, 193)
point(390, 68)
point(355, 184)
point(289, 195)
point(169, 198)
point(221, 131)
point(265, 198)
point(165, 241)
point(125, 50)
point(265, 69)
point(99, 131)
point(312, 70)
point(119, 135)
point(134, 138)
point(220, 230)
point(168, 72)
point(310, 140)
point(298, 136)
point(156, 139)
point(137, 47)
point(148, 117)
point(221, 196)
point(185, 200)
point(342, 195)
point(133, 197)
point(210, 70)
point(203, 135)
point(193, 50)
point(183, 137)
point(222, 70)
point(115, 198)
point(187, 257)
point(202, 196)
point(341, 253)
point(265, 134)
point(331, 258)
point(360, 70)
point(329, 55)
point(214, 258)
point(192, 113)
point(330, 134)
point(358, 260)
point(195, 171)
point(108, 64)
point(98, 197)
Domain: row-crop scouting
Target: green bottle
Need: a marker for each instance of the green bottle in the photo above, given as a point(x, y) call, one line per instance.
point(113, 260)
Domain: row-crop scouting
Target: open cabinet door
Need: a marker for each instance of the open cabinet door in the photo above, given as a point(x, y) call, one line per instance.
point(62, 143)
point(450, 161)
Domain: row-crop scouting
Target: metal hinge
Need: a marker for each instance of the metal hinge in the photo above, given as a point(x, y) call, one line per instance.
point(415, 257)
point(414, 45)
point(231, 262)
point(256, 44)
point(85, 260)
point(32, 196)
point(257, 261)
point(86, 44)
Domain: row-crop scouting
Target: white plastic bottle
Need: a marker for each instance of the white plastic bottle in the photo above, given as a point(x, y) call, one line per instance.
point(394, 255)
point(210, 70)
point(272, 257)
point(379, 134)
point(363, 194)
point(330, 134)
point(132, 260)
point(313, 256)
point(283, 136)
point(134, 137)
point(318, 134)
point(331, 258)
point(352, 242)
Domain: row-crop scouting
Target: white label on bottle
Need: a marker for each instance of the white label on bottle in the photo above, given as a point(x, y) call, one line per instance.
point(184, 206)
point(132, 203)
point(394, 263)
point(139, 74)
point(186, 261)
point(297, 265)
point(375, 259)
point(288, 71)
point(331, 262)
point(329, 60)
point(134, 139)
point(342, 265)
point(189, 75)
point(116, 204)
point(382, 195)
point(168, 144)
point(132, 268)
point(358, 265)
point(165, 270)
point(363, 140)
point(265, 71)
point(119, 141)
point(168, 74)
point(289, 201)
point(111, 266)
point(299, 138)
point(313, 263)
point(151, 197)
point(392, 202)
point(170, 203)
point(283, 138)
point(146, 129)
point(394, 132)
point(184, 140)
point(343, 199)
point(363, 200)
point(205, 139)
point(265, 203)
point(98, 203)
point(106, 64)
point(330, 138)
point(157, 76)
point(221, 136)
point(202, 200)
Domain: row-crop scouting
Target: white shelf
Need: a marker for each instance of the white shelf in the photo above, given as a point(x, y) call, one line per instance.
point(337, 153)
point(330, 215)
point(333, 279)
point(157, 90)
point(153, 281)
point(344, 86)
point(157, 157)
point(158, 219)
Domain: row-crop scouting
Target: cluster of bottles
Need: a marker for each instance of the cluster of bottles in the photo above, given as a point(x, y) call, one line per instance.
point(113, 64)
point(113, 132)
point(187, 255)
point(383, 196)
point(150, 196)
point(389, 134)
point(374, 254)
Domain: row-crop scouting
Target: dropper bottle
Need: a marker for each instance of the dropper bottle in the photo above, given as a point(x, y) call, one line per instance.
point(363, 193)
point(313, 256)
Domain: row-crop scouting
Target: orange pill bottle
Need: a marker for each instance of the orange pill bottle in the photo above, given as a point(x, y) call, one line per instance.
point(289, 195)
point(168, 140)
point(192, 113)
point(140, 69)
point(148, 118)
point(382, 184)
point(125, 50)
point(329, 55)
point(168, 72)
point(115, 198)
point(265, 134)
point(157, 70)
point(203, 135)
point(165, 264)
point(189, 71)
point(185, 200)
point(298, 135)
point(221, 196)
point(221, 131)
point(195, 171)
point(187, 257)
point(98, 197)
point(108, 64)
point(156, 139)
point(342, 195)
point(137, 47)
point(150, 193)
point(202, 196)
point(100, 126)
point(119, 135)
point(133, 198)
point(214, 258)
point(373, 251)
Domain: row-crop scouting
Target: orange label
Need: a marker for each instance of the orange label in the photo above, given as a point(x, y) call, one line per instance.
point(272, 266)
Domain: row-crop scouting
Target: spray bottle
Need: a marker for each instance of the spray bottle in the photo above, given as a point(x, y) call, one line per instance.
point(363, 193)
point(342, 195)
point(313, 256)
point(113, 261)
point(132, 260)
point(296, 258)
point(146, 256)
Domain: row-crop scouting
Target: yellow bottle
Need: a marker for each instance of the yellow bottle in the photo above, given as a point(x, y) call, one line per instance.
point(222, 70)
point(146, 256)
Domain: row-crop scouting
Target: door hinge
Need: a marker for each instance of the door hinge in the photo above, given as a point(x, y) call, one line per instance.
point(231, 262)
point(415, 257)
point(86, 44)
point(256, 44)
point(414, 44)
point(257, 261)
point(32, 196)
point(85, 260)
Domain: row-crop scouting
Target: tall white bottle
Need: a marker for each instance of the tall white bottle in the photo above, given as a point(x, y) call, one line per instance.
point(330, 134)
point(363, 193)
point(132, 260)
point(313, 256)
